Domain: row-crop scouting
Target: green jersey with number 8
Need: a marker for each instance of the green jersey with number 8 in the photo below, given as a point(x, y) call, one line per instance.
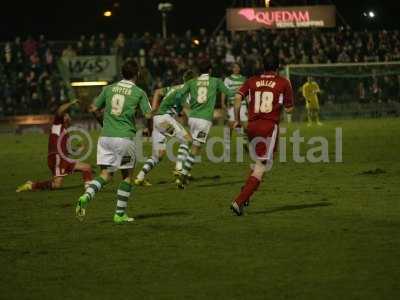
point(203, 95)
point(120, 102)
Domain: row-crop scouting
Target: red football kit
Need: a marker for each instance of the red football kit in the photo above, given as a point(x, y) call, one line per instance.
point(57, 158)
point(266, 94)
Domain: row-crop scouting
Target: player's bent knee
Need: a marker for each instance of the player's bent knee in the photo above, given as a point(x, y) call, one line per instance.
point(259, 170)
point(261, 167)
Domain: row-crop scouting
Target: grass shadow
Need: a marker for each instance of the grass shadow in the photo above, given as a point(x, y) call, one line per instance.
point(290, 208)
point(194, 179)
point(219, 184)
point(162, 215)
point(377, 171)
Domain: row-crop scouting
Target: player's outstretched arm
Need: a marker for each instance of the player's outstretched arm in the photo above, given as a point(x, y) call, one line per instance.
point(93, 108)
point(184, 91)
point(318, 89)
point(288, 98)
point(63, 109)
point(223, 102)
point(147, 112)
point(224, 89)
point(99, 116)
point(303, 92)
point(96, 113)
point(186, 110)
point(148, 120)
point(237, 106)
point(97, 107)
point(158, 95)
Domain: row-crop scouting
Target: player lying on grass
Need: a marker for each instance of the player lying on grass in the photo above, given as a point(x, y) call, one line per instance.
point(203, 95)
point(115, 147)
point(165, 126)
point(310, 91)
point(266, 94)
point(234, 82)
point(58, 157)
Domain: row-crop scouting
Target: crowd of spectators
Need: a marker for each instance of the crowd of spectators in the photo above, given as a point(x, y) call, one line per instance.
point(30, 81)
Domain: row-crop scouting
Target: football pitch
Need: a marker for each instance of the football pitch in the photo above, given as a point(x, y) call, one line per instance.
point(313, 230)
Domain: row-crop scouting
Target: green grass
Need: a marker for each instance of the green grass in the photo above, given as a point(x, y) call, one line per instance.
point(314, 231)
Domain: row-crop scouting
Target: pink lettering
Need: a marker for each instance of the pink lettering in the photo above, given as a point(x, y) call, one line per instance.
point(263, 18)
point(278, 16)
point(303, 16)
point(270, 17)
point(287, 16)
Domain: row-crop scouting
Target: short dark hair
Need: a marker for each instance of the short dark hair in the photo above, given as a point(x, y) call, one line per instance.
point(189, 74)
point(130, 69)
point(205, 68)
point(236, 64)
point(271, 62)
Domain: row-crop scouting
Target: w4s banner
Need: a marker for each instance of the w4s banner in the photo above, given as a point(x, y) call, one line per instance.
point(98, 67)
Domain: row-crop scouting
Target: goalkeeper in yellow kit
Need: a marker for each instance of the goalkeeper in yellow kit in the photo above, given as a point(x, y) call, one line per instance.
point(310, 92)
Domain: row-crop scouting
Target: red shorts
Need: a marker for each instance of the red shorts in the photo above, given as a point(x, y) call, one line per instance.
point(263, 135)
point(59, 166)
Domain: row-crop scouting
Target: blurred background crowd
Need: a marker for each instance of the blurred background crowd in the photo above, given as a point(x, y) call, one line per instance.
point(30, 81)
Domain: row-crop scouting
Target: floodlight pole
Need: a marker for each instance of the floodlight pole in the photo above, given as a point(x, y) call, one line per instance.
point(164, 24)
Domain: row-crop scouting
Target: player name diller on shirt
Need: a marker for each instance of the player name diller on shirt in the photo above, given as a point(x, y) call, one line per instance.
point(266, 83)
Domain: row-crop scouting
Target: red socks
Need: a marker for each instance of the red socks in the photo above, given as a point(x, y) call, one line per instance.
point(42, 185)
point(87, 176)
point(248, 190)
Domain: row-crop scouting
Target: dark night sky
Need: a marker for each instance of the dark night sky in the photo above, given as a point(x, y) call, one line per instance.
point(67, 19)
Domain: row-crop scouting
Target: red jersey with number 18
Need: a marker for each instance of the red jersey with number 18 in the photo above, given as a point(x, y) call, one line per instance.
point(266, 94)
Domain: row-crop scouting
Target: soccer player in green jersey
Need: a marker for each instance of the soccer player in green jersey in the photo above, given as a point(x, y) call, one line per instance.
point(165, 126)
point(116, 148)
point(203, 95)
point(234, 82)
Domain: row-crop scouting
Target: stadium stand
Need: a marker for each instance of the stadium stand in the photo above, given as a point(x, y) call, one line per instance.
point(30, 81)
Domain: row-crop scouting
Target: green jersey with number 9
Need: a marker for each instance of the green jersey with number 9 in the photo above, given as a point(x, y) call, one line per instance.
point(120, 102)
point(203, 95)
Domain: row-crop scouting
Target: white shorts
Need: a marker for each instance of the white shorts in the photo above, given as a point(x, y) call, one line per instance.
point(165, 126)
point(243, 114)
point(199, 129)
point(116, 153)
